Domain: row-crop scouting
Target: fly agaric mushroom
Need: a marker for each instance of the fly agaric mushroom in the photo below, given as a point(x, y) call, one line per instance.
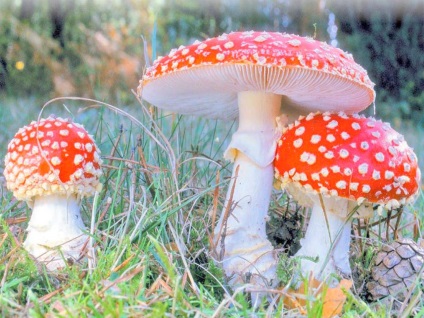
point(341, 165)
point(252, 75)
point(52, 164)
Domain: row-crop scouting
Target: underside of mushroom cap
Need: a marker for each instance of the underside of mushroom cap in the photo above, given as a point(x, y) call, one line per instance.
point(205, 77)
point(52, 156)
point(353, 157)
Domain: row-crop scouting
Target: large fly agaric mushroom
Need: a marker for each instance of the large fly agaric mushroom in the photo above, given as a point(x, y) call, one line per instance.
point(52, 164)
point(251, 75)
point(341, 165)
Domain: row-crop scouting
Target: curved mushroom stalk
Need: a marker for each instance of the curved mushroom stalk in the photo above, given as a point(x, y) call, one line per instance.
point(55, 231)
point(325, 247)
point(240, 237)
point(328, 243)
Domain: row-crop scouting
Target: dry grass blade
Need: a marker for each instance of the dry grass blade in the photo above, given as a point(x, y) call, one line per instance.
point(222, 230)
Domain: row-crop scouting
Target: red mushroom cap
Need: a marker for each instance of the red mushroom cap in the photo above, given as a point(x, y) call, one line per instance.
point(52, 156)
point(210, 73)
point(352, 157)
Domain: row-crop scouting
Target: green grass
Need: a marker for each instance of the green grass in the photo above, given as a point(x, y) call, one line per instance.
point(164, 181)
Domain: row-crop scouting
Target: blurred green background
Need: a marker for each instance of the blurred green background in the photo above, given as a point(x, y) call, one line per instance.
point(95, 48)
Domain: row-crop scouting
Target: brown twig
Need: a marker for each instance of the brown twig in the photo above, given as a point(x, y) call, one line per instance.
point(214, 208)
point(143, 162)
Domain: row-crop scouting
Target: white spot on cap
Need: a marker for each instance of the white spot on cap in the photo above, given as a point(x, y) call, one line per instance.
point(329, 155)
point(322, 149)
point(326, 117)
point(229, 45)
point(353, 186)
point(81, 134)
point(315, 176)
point(343, 153)
point(363, 168)
point(387, 187)
point(406, 167)
point(307, 157)
point(55, 145)
point(355, 158)
point(77, 145)
point(55, 161)
point(64, 132)
point(345, 135)
point(310, 116)
point(292, 171)
point(347, 171)
point(335, 169)
point(371, 124)
point(78, 159)
point(303, 177)
point(299, 131)
point(325, 172)
point(298, 143)
point(341, 185)
point(376, 175)
point(332, 124)
point(220, 57)
point(294, 42)
point(89, 147)
point(364, 145)
point(334, 192)
point(330, 138)
point(201, 46)
point(388, 174)
point(376, 134)
point(315, 139)
point(379, 157)
point(366, 188)
point(356, 126)
point(392, 150)
point(63, 144)
point(260, 38)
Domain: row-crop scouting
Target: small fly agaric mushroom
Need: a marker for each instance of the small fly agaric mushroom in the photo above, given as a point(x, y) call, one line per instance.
point(341, 165)
point(252, 75)
point(52, 164)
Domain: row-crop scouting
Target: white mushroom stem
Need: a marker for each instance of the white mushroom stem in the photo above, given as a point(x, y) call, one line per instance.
point(329, 242)
point(328, 235)
point(240, 236)
point(55, 230)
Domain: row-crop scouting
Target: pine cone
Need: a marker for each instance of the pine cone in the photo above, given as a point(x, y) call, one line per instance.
point(395, 270)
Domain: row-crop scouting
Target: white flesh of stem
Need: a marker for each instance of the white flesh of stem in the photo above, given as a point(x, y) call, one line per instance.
point(55, 230)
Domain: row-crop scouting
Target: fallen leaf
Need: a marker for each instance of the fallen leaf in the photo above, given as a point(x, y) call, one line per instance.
point(333, 300)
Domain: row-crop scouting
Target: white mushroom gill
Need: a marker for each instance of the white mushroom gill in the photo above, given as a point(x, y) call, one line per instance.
point(56, 231)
